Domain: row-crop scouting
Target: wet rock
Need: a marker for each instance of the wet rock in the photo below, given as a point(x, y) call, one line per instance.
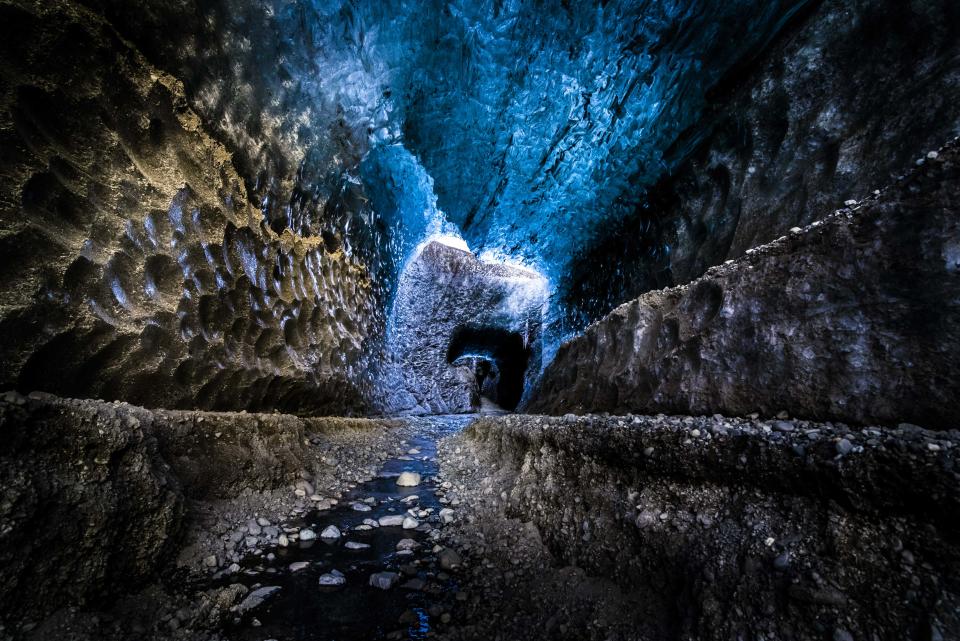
point(391, 520)
point(330, 532)
point(384, 580)
point(256, 598)
point(307, 534)
point(410, 523)
point(332, 578)
point(407, 545)
point(414, 584)
point(299, 565)
point(844, 447)
point(449, 559)
point(304, 488)
point(356, 545)
point(408, 479)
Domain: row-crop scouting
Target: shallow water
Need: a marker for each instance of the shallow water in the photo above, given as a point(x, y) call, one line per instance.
point(305, 611)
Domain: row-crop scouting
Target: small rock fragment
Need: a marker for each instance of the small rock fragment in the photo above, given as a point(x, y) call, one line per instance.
point(384, 580)
point(449, 559)
point(332, 578)
point(355, 545)
point(408, 479)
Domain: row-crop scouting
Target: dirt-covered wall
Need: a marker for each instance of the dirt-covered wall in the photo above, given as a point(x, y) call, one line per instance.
point(718, 528)
point(853, 318)
point(100, 499)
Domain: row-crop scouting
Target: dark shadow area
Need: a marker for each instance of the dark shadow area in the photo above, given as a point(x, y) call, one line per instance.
point(509, 356)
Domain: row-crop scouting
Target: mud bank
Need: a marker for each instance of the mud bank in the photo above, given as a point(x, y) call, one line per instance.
point(829, 322)
point(102, 499)
point(708, 528)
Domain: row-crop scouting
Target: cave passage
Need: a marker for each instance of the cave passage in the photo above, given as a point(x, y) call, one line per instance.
point(386, 320)
point(506, 349)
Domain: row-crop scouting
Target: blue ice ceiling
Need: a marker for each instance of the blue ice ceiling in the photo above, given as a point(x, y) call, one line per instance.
point(533, 123)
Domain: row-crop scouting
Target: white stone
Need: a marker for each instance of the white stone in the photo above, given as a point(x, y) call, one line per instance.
point(332, 578)
point(257, 597)
point(408, 479)
point(410, 523)
point(384, 580)
point(330, 532)
point(355, 545)
point(392, 520)
point(307, 535)
point(407, 544)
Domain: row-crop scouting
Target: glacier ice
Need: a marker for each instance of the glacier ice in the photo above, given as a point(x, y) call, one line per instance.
point(522, 127)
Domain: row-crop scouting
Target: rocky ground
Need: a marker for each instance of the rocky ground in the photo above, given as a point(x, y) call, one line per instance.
point(511, 585)
point(518, 527)
point(226, 530)
point(642, 527)
point(101, 499)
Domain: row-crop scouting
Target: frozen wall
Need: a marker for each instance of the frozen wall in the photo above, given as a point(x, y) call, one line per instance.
point(536, 131)
point(540, 124)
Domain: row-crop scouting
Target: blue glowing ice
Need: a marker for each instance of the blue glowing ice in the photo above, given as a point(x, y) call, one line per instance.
point(529, 124)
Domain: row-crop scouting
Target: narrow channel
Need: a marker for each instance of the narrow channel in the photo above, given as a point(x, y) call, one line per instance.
point(394, 581)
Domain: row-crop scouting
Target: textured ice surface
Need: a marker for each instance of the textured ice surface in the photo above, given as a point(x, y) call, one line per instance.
point(536, 121)
point(526, 125)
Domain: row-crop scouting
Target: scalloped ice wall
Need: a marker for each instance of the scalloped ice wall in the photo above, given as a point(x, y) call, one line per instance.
point(134, 265)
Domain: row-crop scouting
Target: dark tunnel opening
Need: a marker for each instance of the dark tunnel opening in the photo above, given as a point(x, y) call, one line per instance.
point(509, 354)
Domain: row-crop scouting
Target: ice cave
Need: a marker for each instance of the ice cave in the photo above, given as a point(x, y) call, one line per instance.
point(480, 320)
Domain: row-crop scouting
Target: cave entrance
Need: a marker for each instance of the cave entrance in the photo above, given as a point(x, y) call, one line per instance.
point(500, 360)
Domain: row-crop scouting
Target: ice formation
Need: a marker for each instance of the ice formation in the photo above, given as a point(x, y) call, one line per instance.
point(536, 124)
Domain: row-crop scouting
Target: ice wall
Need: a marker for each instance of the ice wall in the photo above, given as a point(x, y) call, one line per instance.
point(538, 122)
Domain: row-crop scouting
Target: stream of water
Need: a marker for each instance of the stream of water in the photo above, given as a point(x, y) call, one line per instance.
point(304, 610)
